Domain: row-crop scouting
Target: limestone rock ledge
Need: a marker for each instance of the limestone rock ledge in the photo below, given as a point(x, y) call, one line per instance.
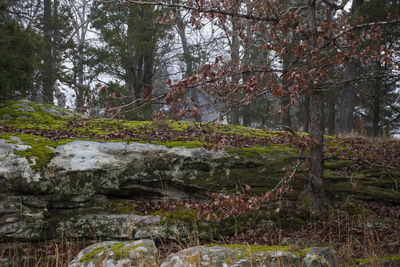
point(52, 186)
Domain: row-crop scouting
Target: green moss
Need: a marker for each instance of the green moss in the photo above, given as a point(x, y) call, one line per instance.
point(186, 144)
point(118, 252)
point(91, 255)
point(27, 114)
point(374, 260)
point(180, 215)
point(40, 151)
point(355, 209)
point(250, 249)
point(64, 141)
point(121, 207)
point(245, 131)
point(253, 248)
point(274, 150)
point(337, 164)
point(178, 125)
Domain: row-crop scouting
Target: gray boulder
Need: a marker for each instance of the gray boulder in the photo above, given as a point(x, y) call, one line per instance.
point(117, 254)
point(239, 255)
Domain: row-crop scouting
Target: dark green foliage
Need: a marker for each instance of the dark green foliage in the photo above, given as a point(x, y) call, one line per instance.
point(130, 34)
point(19, 49)
point(379, 95)
point(377, 10)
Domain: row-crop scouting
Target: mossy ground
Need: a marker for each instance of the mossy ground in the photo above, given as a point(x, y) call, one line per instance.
point(31, 115)
point(28, 114)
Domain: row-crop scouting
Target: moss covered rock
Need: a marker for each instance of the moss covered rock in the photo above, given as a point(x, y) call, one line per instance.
point(242, 255)
point(62, 160)
point(112, 253)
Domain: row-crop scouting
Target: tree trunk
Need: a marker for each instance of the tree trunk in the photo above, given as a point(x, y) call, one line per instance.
point(376, 112)
point(347, 107)
point(331, 116)
point(285, 99)
point(286, 116)
point(140, 76)
point(48, 59)
point(315, 188)
point(139, 62)
point(188, 60)
point(314, 191)
point(246, 111)
point(235, 47)
point(350, 68)
point(131, 59)
point(306, 113)
point(80, 24)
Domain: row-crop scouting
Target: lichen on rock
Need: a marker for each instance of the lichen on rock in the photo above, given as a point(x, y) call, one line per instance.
point(112, 253)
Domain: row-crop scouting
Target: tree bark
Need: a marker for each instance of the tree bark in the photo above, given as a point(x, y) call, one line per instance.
point(81, 28)
point(285, 99)
point(247, 111)
point(48, 59)
point(235, 47)
point(131, 59)
point(306, 113)
point(331, 116)
point(376, 110)
point(315, 191)
point(347, 106)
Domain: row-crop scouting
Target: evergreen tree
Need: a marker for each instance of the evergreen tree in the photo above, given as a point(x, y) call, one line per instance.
point(19, 57)
point(56, 29)
point(377, 102)
point(130, 37)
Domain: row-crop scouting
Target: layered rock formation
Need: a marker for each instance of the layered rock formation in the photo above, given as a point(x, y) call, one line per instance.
point(61, 174)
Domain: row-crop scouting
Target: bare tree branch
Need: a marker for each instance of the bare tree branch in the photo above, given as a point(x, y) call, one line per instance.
point(372, 96)
point(336, 6)
point(203, 10)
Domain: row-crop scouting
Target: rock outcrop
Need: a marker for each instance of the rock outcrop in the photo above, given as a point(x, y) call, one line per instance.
point(141, 253)
point(114, 254)
point(59, 171)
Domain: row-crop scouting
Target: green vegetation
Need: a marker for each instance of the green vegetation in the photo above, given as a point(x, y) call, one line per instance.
point(90, 256)
point(248, 250)
point(121, 207)
point(253, 248)
point(20, 50)
point(31, 115)
point(186, 144)
point(117, 250)
point(180, 215)
point(261, 164)
point(40, 151)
